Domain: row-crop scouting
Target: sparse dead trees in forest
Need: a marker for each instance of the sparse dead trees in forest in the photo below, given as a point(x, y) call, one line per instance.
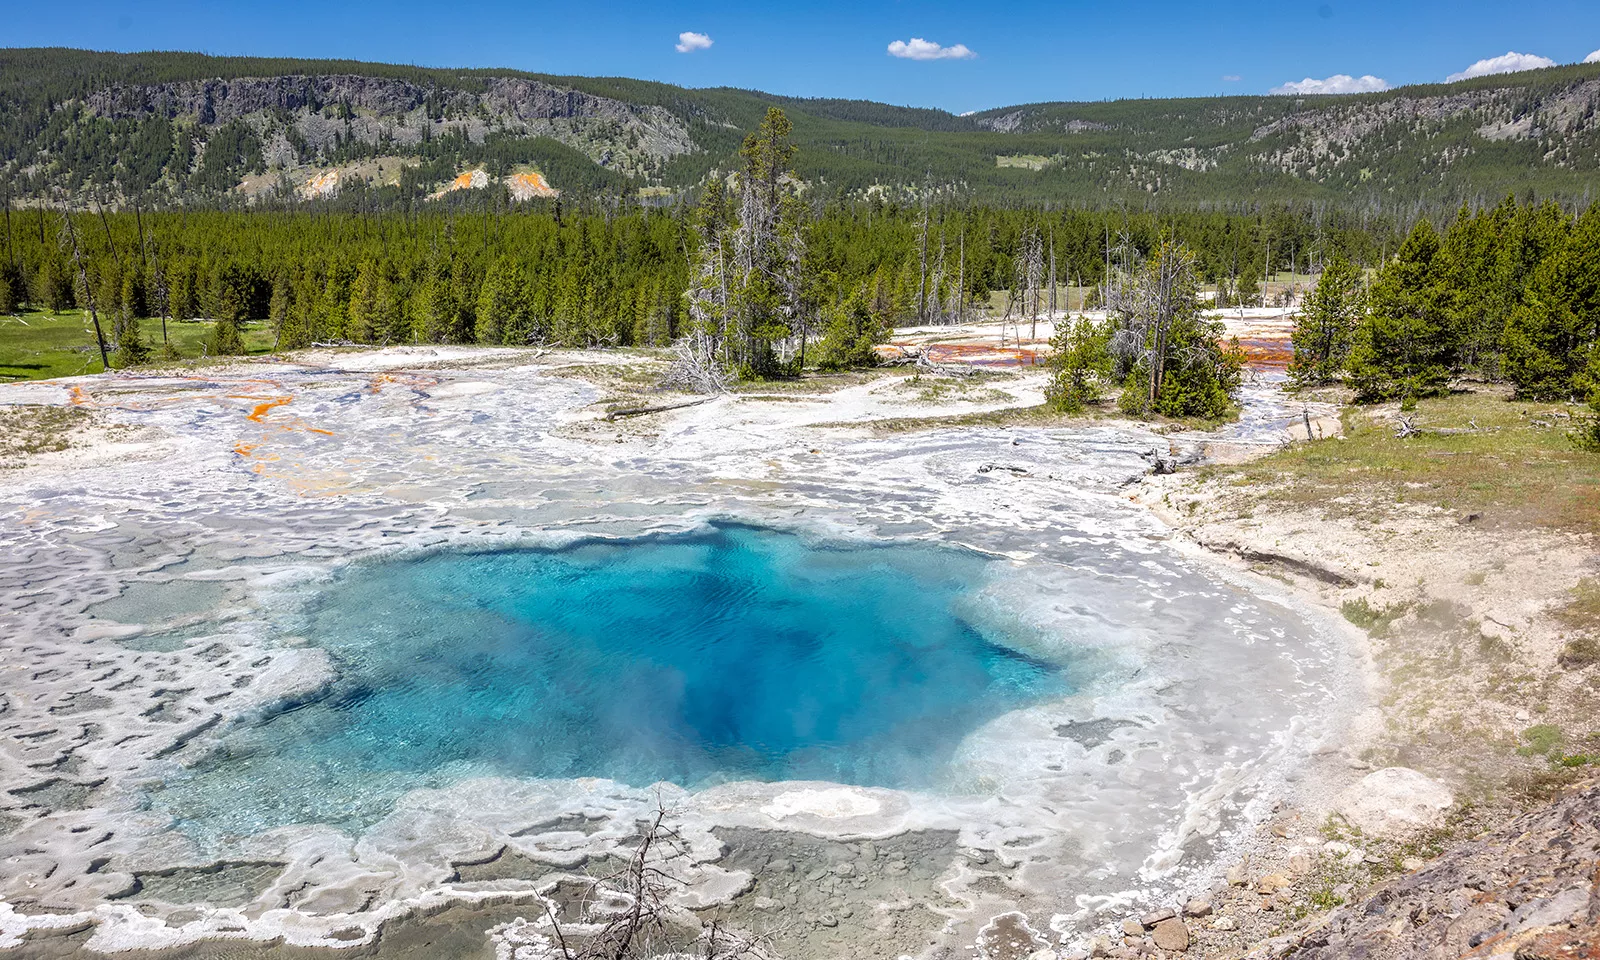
point(1155, 341)
point(697, 366)
point(747, 285)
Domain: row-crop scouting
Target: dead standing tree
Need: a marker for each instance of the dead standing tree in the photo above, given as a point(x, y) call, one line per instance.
point(1027, 275)
point(70, 238)
point(1146, 300)
point(746, 289)
point(632, 917)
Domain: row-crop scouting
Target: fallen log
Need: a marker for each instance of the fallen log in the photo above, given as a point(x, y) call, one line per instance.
point(662, 408)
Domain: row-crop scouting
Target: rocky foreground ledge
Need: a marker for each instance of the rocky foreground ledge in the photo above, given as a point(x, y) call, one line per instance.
point(1528, 891)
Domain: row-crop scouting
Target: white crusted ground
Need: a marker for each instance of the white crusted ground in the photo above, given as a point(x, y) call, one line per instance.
point(142, 589)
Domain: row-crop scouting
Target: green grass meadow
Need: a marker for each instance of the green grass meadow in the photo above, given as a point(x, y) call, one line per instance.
point(39, 345)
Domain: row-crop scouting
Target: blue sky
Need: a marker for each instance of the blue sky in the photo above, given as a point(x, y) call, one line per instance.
point(1021, 52)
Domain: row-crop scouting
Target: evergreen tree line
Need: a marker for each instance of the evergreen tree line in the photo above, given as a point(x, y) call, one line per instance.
point(1509, 293)
point(589, 277)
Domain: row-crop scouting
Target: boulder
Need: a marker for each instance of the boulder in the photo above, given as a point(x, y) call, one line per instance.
point(1395, 801)
point(1170, 934)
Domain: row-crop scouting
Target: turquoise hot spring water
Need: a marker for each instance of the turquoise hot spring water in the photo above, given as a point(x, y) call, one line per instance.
point(735, 653)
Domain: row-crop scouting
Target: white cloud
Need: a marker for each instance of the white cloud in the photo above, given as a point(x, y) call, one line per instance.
point(1338, 83)
point(1510, 63)
point(920, 49)
point(1593, 57)
point(1231, 78)
point(689, 41)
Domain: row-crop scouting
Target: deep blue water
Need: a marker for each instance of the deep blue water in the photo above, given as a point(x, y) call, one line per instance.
point(737, 653)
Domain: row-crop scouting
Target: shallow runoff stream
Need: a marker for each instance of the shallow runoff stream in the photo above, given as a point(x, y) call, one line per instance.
point(404, 641)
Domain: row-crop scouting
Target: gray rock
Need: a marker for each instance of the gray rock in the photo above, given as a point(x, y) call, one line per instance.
point(1156, 916)
point(1549, 911)
point(1197, 908)
point(1395, 801)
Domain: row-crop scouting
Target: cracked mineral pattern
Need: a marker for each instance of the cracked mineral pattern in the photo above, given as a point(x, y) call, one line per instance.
point(142, 613)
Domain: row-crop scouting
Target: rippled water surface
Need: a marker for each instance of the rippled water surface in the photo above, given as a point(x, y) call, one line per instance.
point(738, 653)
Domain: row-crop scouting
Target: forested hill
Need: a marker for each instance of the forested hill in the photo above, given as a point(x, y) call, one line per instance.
point(160, 128)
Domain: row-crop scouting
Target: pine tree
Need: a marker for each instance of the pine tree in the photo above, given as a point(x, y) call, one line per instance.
point(850, 331)
point(225, 340)
point(1325, 325)
point(496, 303)
point(1080, 364)
point(52, 289)
point(278, 314)
point(131, 348)
point(1401, 348)
point(437, 306)
point(132, 296)
point(389, 321)
point(1549, 337)
point(1167, 353)
point(464, 298)
point(363, 309)
point(333, 306)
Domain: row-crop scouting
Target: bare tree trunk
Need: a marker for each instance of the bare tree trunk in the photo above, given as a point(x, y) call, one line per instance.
point(961, 280)
point(922, 263)
point(1052, 274)
point(138, 220)
point(110, 242)
point(83, 275)
point(11, 248)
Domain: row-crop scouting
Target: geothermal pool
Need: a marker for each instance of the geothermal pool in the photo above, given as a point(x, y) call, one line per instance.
point(735, 653)
point(301, 651)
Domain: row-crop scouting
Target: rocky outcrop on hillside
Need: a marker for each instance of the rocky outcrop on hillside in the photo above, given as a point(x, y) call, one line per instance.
point(319, 110)
point(1528, 891)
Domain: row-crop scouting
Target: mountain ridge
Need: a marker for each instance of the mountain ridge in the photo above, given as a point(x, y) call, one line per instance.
point(168, 126)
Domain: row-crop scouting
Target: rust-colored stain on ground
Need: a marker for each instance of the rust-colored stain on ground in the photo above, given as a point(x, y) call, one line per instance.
point(1267, 353)
point(526, 186)
point(259, 414)
point(972, 354)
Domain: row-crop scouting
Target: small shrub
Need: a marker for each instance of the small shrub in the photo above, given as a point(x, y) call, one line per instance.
point(1375, 620)
point(1541, 740)
point(1580, 652)
point(225, 340)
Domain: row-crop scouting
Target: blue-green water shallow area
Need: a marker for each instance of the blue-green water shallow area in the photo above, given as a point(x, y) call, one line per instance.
point(734, 653)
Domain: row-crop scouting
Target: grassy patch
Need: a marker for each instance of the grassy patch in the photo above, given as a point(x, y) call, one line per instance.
point(1042, 415)
point(816, 381)
point(29, 430)
point(1518, 468)
point(1022, 161)
point(971, 389)
point(1541, 740)
point(1580, 652)
point(1375, 620)
point(1583, 613)
point(35, 345)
